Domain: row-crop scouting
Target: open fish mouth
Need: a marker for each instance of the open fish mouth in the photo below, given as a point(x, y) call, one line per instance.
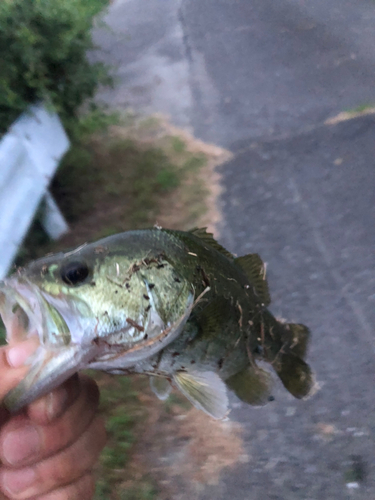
point(20, 312)
point(27, 311)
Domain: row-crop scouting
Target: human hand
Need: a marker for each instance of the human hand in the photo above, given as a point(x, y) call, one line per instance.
point(47, 452)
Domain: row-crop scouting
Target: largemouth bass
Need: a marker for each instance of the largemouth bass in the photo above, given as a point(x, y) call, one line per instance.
point(173, 305)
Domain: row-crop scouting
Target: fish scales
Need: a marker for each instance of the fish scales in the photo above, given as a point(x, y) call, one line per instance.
point(174, 305)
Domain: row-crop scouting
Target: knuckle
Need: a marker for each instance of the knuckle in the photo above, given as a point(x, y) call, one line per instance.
point(74, 422)
point(63, 470)
point(82, 489)
point(76, 460)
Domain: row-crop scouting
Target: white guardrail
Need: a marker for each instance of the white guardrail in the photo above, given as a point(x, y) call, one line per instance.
point(30, 153)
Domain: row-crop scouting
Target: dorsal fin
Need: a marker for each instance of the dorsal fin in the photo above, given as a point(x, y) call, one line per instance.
point(209, 239)
point(255, 270)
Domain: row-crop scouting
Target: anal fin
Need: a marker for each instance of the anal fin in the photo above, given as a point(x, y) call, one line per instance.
point(252, 385)
point(205, 390)
point(161, 387)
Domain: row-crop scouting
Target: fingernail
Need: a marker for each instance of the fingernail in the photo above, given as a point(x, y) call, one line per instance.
point(18, 480)
point(18, 355)
point(20, 444)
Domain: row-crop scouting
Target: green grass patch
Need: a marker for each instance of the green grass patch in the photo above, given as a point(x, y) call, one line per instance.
point(113, 172)
point(195, 162)
point(363, 107)
point(145, 491)
point(178, 144)
point(124, 415)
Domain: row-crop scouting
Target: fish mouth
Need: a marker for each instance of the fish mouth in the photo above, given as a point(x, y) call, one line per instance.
point(20, 312)
point(28, 311)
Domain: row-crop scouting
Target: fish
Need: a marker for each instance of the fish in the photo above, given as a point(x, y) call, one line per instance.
point(173, 305)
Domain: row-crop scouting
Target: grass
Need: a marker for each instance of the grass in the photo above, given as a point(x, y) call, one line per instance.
point(114, 171)
point(362, 108)
point(121, 174)
point(124, 414)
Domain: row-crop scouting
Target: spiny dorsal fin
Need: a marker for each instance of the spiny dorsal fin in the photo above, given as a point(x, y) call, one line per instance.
point(252, 385)
point(161, 387)
point(255, 270)
point(205, 390)
point(209, 239)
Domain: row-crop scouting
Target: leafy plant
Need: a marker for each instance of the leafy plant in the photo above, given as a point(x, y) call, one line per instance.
point(44, 46)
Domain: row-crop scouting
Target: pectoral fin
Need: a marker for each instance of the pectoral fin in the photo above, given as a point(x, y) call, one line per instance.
point(252, 385)
point(205, 390)
point(161, 387)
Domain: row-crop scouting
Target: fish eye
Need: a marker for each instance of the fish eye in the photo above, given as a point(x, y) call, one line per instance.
point(74, 273)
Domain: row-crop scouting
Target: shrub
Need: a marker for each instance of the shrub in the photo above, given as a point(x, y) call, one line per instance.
point(43, 47)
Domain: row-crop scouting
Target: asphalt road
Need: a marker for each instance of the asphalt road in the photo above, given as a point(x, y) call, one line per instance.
point(260, 78)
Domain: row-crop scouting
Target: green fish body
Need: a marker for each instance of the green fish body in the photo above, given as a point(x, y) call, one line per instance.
point(173, 305)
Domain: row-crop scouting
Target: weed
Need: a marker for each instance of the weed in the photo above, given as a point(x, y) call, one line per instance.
point(362, 107)
point(178, 144)
point(124, 416)
point(195, 163)
point(145, 491)
point(167, 179)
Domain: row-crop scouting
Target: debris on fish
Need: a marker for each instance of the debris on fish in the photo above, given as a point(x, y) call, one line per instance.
point(173, 305)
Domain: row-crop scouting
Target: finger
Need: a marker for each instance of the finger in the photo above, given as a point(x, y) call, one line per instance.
point(58, 470)
point(12, 367)
point(24, 443)
point(51, 406)
point(18, 352)
point(82, 489)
